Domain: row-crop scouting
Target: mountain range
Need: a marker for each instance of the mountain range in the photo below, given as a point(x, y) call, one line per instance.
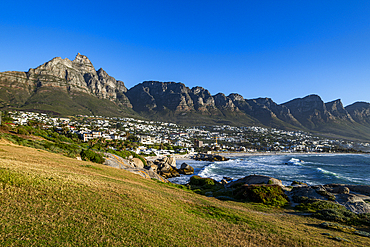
point(63, 87)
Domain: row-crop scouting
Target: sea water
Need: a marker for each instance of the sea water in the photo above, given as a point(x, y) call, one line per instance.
point(312, 169)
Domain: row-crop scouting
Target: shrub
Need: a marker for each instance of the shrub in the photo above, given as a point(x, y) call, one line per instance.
point(272, 195)
point(89, 155)
point(125, 154)
point(338, 215)
point(22, 131)
point(199, 181)
point(327, 210)
point(315, 205)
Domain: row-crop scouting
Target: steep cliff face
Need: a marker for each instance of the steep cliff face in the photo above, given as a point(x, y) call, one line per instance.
point(267, 111)
point(310, 111)
point(360, 112)
point(224, 103)
point(15, 88)
point(337, 111)
point(202, 100)
point(158, 96)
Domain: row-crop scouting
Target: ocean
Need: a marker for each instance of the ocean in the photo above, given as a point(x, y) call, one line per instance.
point(312, 169)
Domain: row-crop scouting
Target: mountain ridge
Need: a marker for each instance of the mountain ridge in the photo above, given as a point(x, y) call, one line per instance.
point(65, 87)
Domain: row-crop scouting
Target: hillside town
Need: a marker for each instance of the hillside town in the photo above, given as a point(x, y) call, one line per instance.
point(152, 136)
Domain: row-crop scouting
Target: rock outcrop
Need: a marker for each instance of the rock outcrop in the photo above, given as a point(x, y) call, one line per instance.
point(209, 157)
point(186, 169)
point(256, 179)
point(132, 165)
point(336, 193)
point(166, 167)
point(360, 112)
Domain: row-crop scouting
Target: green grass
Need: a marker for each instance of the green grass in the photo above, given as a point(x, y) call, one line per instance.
point(49, 199)
point(68, 149)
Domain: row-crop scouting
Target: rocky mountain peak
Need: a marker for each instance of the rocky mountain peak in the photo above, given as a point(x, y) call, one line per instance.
point(359, 111)
point(265, 101)
point(82, 59)
point(307, 103)
point(235, 97)
point(223, 102)
point(83, 64)
point(102, 73)
point(336, 109)
point(335, 105)
point(310, 110)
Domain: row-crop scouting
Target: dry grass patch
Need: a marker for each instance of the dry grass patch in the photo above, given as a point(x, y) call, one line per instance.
point(49, 199)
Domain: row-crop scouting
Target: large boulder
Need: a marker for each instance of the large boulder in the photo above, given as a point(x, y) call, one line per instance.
point(353, 203)
point(209, 157)
point(151, 166)
point(186, 169)
point(137, 163)
point(337, 188)
point(116, 161)
point(165, 167)
point(256, 179)
point(171, 161)
point(304, 193)
point(337, 193)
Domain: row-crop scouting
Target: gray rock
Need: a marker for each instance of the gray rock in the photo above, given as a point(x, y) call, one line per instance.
point(363, 189)
point(256, 179)
point(118, 162)
point(165, 167)
point(186, 169)
point(300, 194)
point(353, 203)
point(171, 161)
point(337, 188)
point(138, 163)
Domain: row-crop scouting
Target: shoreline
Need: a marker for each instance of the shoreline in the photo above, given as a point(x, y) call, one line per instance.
point(185, 157)
point(243, 154)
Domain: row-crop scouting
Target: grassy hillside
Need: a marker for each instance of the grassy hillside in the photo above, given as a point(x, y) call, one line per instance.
point(345, 130)
point(59, 102)
point(49, 199)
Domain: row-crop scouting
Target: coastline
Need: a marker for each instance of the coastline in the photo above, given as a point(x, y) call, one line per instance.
point(245, 154)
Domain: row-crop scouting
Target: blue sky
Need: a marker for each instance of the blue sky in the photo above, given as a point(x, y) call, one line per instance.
point(277, 49)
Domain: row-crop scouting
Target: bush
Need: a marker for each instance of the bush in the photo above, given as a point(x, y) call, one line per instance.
point(326, 210)
point(22, 131)
point(199, 181)
point(125, 154)
point(316, 205)
point(272, 195)
point(338, 215)
point(89, 155)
